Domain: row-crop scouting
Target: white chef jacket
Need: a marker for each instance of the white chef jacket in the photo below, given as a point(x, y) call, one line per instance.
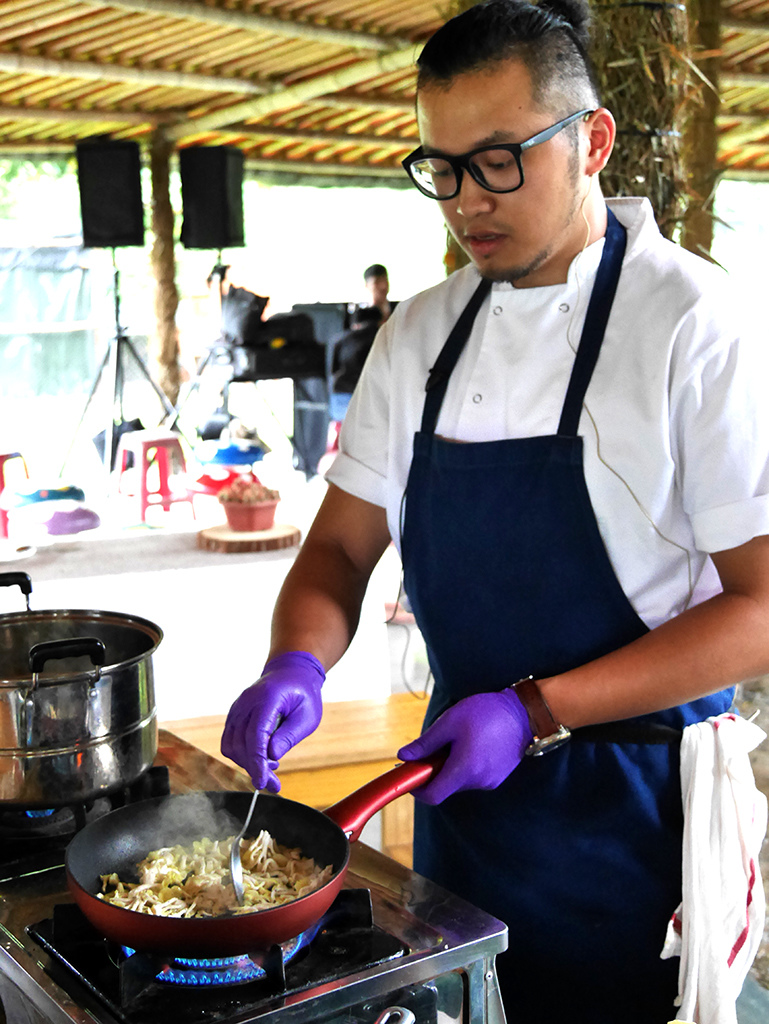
point(675, 420)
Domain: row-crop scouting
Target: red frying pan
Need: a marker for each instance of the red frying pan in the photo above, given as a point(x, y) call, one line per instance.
point(122, 838)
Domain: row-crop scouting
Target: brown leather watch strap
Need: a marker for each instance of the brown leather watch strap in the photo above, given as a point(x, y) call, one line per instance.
point(541, 717)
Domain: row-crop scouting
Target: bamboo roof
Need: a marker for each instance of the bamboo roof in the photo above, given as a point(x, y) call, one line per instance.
point(304, 86)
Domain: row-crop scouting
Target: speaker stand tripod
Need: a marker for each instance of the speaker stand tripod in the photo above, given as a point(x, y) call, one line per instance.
point(113, 364)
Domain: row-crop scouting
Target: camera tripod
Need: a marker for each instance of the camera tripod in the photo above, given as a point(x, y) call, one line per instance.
point(113, 366)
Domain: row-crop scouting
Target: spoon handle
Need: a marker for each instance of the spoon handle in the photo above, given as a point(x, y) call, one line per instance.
point(236, 865)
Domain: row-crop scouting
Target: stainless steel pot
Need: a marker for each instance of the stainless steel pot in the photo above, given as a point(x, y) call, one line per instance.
point(77, 702)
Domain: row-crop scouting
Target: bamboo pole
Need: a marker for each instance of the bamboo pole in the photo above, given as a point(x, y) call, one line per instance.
point(291, 95)
point(701, 143)
point(164, 345)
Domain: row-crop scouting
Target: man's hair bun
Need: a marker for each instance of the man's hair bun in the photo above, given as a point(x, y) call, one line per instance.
point(576, 13)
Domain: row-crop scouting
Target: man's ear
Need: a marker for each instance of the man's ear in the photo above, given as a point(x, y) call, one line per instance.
point(601, 133)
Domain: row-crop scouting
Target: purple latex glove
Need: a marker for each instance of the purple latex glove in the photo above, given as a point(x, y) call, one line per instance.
point(486, 734)
point(281, 708)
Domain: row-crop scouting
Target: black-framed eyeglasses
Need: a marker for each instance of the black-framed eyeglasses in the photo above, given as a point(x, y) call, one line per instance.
point(496, 168)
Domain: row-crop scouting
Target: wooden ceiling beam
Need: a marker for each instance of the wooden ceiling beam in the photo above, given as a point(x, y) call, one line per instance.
point(22, 64)
point(747, 174)
point(760, 27)
point(744, 79)
point(49, 67)
point(305, 167)
point(725, 115)
point(259, 22)
point(64, 116)
point(741, 134)
point(351, 139)
point(137, 117)
point(22, 149)
point(300, 92)
point(335, 168)
point(374, 101)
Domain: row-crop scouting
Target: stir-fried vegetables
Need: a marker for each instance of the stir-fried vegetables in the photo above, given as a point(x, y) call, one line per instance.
point(181, 881)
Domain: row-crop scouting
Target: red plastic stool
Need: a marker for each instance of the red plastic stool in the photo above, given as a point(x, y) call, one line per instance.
point(154, 448)
point(212, 483)
point(4, 512)
point(332, 444)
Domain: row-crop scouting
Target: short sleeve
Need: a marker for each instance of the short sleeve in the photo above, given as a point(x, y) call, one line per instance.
point(720, 423)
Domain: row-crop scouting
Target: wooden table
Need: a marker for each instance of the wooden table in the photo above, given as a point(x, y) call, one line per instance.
point(355, 742)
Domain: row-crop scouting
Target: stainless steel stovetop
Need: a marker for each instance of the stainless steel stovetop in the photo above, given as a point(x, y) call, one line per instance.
point(445, 972)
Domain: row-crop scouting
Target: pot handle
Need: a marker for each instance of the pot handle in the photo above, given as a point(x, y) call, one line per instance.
point(352, 813)
point(396, 1015)
point(72, 647)
point(17, 579)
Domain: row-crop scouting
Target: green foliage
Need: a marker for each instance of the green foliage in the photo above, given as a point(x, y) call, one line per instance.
point(17, 173)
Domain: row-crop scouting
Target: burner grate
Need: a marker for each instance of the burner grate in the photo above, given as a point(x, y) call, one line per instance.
point(345, 940)
point(25, 830)
point(232, 970)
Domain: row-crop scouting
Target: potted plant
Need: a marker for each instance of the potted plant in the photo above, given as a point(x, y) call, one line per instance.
point(248, 505)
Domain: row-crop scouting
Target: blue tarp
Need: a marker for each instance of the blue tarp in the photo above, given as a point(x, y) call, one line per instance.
point(47, 344)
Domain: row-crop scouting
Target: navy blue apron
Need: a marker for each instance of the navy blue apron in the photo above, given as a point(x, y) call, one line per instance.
point(578, 851)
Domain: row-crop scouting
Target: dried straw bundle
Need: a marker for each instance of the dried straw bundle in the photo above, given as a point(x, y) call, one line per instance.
point(645, 77)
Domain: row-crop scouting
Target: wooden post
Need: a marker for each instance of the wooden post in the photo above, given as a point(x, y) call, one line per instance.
point(701, 143)
point(164, 346)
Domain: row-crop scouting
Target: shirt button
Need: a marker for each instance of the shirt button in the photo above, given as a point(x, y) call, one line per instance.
point(564, 307)
point(477, 398)
point(497, 310)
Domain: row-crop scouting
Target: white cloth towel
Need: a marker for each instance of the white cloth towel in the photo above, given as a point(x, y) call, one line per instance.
point(718, 926)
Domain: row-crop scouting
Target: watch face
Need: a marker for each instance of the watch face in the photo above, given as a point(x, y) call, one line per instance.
point(548, 743)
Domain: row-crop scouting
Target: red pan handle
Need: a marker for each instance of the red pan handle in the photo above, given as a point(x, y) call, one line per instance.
point(352, 813)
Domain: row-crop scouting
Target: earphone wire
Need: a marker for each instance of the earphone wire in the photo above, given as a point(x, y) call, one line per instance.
point(585, 406)
point(391, 621)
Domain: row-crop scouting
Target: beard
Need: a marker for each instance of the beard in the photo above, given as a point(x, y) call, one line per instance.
point(515, 273)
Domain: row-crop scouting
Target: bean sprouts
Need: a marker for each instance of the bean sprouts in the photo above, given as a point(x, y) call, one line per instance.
point(194, 881)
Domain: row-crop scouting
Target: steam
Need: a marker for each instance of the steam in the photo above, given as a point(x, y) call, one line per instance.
point(194, 816)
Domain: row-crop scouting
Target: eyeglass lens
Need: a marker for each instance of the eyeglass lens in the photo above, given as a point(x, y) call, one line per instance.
point(496, 169)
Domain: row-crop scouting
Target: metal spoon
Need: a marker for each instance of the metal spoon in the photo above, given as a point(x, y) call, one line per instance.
point(236, 865)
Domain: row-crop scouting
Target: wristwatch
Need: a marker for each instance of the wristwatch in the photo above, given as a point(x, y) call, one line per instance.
point(548, 734)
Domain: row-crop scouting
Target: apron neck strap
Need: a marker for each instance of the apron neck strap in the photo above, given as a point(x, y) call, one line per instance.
point(438, 378)
point(596, 318)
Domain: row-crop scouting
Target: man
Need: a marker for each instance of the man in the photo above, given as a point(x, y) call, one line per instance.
point(377, 282)
point(602, 526)
point(353, 347)
point(350, 354)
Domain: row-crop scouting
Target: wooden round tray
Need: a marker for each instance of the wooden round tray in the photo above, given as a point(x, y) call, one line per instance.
point(222, 538)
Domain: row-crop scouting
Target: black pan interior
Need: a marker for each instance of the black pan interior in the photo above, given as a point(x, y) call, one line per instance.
point(119, 840)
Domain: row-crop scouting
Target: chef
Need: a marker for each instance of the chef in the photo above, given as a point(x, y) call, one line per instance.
point(567, 441)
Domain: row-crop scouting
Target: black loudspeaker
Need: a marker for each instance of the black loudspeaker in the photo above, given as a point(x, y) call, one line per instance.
point(109, 179)
point(212, 197)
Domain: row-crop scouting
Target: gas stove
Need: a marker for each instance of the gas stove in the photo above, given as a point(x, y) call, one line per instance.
point(391, 939)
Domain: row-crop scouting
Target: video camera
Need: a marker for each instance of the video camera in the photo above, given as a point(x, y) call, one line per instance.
point(242, 323)
point(282, 346)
